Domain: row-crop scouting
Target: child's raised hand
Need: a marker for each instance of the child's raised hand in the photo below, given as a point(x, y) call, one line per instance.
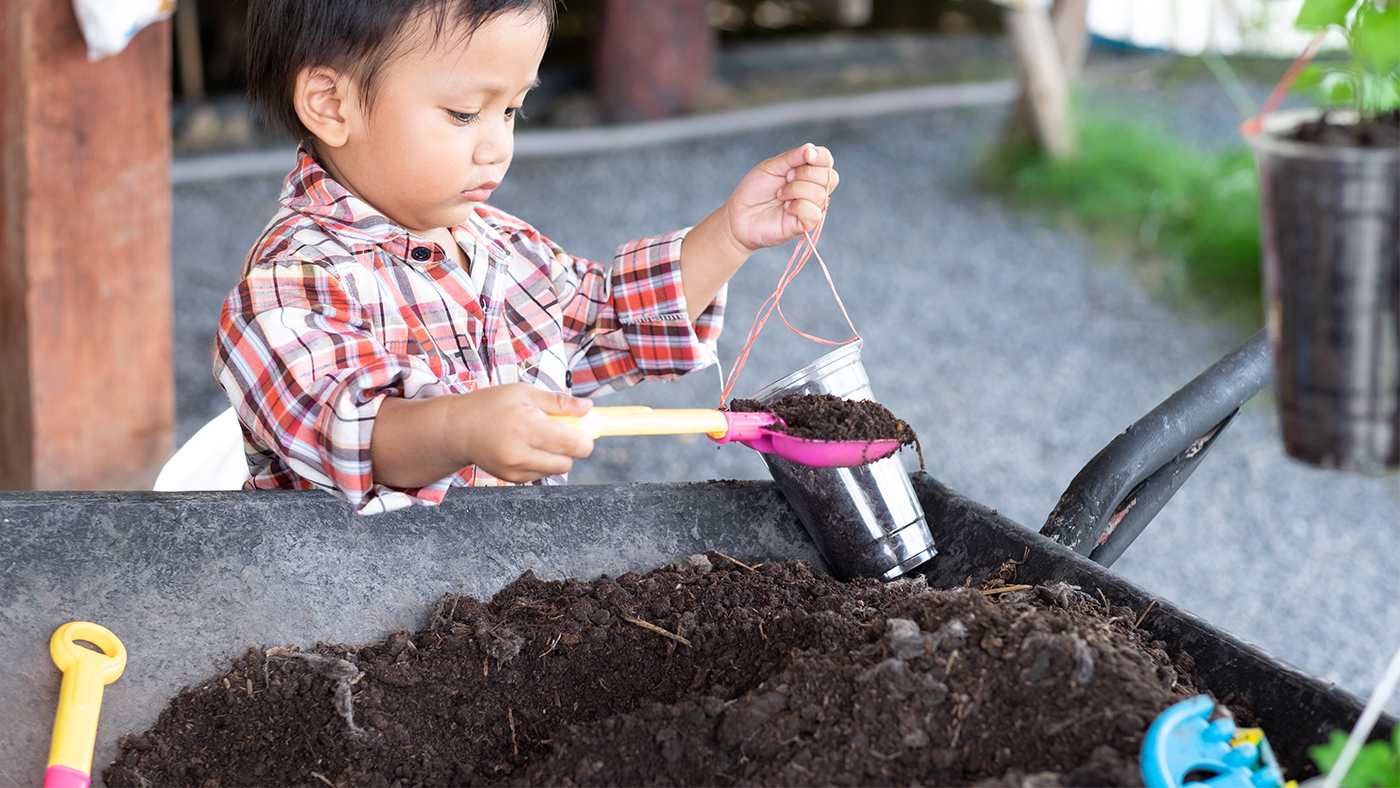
point(782, 197)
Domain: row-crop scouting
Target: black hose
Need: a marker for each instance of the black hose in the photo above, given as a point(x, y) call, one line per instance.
point(1118, 492)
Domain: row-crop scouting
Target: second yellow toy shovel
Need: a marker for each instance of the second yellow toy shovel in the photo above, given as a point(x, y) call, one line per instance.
point(85, 673)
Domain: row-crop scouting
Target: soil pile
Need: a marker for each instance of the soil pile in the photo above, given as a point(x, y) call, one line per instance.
point(1380, 131)
point(704, 672)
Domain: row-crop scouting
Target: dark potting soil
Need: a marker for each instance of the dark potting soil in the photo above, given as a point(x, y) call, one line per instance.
point(1382, 131)
point(827, 417)
point(703, 672)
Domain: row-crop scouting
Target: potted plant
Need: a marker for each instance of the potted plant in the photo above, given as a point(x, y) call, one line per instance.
point(1330, 189)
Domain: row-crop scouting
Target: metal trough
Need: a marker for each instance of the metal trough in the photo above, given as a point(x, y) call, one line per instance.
point(190, 580)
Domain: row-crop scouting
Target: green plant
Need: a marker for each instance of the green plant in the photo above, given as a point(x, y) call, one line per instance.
point(1193, 215)
point(1376, 766)
point(1369, 80)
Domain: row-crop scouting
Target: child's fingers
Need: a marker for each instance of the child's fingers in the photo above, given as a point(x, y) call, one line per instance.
point(803, 190)
point(538, 467)
point(826, 177)
point(806, 200)
point(564, 441)
point(810, 154)
point(551, 450)
point(561, 404)
point(804, 155)
point(556, 450)
point(556, 438)
point(808, 213)
point(550, 444)
point(559, 440)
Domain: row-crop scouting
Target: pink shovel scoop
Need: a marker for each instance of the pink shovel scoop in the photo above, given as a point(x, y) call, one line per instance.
point(751, 429)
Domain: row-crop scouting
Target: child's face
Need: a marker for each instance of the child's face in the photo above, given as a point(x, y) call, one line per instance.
point(440, 133)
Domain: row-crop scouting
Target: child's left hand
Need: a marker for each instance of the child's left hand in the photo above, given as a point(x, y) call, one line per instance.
point(782, 197)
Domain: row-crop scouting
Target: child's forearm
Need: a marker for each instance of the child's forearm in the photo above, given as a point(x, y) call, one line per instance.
point(709, 257)
point(410, 447)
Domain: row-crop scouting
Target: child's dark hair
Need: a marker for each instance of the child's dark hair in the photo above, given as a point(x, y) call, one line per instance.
point(355, 37)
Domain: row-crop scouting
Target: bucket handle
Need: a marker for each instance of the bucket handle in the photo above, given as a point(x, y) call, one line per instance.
point(1256, 124)
point(795, 263)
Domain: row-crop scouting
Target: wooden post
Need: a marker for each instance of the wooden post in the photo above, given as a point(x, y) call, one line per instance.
point(1043, 77)
point(1071, 21)
point(651, 57)
point(86, 374)
point(189, 52)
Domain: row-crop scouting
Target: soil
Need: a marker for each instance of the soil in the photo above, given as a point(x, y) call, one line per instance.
point(1382, 131)
point(704, 672)
point(828, 417)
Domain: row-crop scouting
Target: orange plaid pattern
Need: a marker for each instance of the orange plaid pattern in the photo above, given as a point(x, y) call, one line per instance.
point(338, 307)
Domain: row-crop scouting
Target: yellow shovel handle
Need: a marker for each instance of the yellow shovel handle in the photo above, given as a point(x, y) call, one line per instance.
point(638, 420)
point(85, 672)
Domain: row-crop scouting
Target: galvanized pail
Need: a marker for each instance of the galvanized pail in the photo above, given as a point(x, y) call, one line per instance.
point(866, 520)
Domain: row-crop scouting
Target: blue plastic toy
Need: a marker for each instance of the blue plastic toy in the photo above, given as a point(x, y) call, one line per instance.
point(1185, 748)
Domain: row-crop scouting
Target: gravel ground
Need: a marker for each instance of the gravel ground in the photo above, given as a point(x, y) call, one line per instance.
point(1012, 348)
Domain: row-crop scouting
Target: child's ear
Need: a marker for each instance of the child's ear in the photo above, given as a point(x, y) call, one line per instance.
point(322, 101)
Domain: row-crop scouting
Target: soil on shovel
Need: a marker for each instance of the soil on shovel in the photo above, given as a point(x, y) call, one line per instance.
point(826, 417)
point(703, 672)
point(1382, 131)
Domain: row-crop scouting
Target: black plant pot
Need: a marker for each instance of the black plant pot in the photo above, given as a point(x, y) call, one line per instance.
point(1331, 238)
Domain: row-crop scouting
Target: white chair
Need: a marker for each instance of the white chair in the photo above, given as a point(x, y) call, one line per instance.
point(212, 459)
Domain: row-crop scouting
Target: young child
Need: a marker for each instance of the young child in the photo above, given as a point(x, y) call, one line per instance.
point(393, 335)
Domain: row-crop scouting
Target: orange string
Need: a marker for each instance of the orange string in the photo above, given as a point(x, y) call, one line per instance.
point(812, 250)
point(1256, 123)
point(800, 255)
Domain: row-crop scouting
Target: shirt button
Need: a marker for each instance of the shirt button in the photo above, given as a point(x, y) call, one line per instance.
point(421, 253)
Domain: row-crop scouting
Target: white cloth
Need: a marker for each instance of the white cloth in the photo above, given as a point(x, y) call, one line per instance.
point(212, 459)
point(109, 25)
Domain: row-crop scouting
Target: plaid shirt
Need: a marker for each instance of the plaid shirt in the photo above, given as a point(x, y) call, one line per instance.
point(338, 307)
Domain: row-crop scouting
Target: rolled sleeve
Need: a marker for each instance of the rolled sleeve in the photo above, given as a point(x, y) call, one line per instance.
point(311, 378)
point(631, 318)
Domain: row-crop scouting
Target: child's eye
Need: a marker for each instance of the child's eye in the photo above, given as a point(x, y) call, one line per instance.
point(462, 118)
point(515, 113)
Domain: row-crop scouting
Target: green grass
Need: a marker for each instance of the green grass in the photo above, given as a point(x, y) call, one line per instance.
point(1188, 219)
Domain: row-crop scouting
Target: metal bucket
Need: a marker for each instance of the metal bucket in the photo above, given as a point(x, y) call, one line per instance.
point(865, 521)
point(1331, 235)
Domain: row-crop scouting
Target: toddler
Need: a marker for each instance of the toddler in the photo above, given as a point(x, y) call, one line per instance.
point(392, 334)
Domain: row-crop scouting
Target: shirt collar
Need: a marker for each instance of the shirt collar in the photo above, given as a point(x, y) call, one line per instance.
point(311, 191)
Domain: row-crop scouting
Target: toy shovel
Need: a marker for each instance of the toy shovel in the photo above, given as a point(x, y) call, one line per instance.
point(85, 673)
point(751, 429)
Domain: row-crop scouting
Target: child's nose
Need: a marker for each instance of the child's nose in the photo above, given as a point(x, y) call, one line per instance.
point(496, 146)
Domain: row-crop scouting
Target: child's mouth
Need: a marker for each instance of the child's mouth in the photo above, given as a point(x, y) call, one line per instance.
point(480, 193)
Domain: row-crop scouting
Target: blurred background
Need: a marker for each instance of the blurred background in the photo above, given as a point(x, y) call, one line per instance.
point(1019, 310)
point(756, 50)
point(745, 39)
point(1047, 223)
